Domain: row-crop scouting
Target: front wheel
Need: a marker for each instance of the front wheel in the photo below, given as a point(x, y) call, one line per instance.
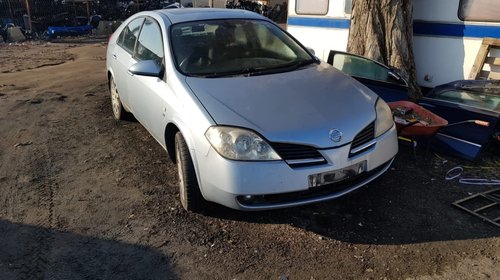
point(190, 195)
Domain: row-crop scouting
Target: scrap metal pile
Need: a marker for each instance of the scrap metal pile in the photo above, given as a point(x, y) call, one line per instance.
point(51, 19)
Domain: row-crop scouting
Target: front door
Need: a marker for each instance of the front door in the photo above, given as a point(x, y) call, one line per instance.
point(149, 94)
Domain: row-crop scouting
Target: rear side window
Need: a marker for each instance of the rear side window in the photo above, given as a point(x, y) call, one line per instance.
point(481, 100)
point(479, 10)
point(150, 43)
point(120, 38)
point(129, 34)
point(311, 7)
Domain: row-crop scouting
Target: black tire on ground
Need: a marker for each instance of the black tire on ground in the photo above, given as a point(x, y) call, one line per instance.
point(189, 191)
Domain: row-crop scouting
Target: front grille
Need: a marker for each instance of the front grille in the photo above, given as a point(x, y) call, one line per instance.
point(292, 151)
point(312, 193)
point(364, 136)
point(298, 155)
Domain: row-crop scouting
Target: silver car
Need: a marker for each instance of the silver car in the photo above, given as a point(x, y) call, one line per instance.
point(252, 119)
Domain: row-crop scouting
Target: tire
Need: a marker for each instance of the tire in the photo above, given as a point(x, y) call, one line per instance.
point(189, 191)
point(116, 104)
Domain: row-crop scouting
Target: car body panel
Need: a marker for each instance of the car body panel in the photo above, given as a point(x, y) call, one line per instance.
point(276, 106)
point(387, 91)
point(247, 178)
point(149, 107)
point(121, 60)
point(462, 138)
point(195, 14)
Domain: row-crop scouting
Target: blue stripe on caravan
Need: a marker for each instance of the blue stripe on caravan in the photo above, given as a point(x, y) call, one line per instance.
point(320, 22)
point(419, 28)
point(455, 30)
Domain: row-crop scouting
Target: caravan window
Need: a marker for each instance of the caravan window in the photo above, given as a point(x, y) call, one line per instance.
point(348, 6)
point(479, 10)
point(311, 7)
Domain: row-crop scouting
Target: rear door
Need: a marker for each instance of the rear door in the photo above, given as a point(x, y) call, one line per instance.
point(473, 119)
point(122, 58)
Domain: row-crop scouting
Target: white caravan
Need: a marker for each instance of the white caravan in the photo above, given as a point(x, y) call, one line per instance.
point(447, 33)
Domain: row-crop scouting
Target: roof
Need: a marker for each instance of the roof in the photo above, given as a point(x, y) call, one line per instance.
point(194, 14)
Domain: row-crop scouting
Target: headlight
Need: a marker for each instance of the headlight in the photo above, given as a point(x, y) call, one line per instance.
point(239, 144)
point(384, 120)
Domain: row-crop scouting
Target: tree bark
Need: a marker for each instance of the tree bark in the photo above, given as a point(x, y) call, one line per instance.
point(383, 31)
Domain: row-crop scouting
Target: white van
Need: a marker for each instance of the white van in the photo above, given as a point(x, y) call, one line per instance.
point(447, 33)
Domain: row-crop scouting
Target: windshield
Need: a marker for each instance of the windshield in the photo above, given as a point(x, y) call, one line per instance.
point(228, 47)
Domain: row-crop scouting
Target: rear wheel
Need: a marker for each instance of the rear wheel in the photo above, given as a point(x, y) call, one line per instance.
point(190, 195)
point(116, 104)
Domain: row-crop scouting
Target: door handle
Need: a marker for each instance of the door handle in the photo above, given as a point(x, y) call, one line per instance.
point(115, 56)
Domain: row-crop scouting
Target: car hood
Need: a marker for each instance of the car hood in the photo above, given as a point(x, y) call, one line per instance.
point(300, 107)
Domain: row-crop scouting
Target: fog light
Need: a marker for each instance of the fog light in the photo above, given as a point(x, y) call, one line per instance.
point(362, 167)
point(247, 197)
point(314, 180)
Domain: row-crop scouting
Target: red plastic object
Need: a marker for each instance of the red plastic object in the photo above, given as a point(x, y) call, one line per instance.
point(418, 128)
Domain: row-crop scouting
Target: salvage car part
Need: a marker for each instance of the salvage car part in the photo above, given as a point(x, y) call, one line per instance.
point(472, 108)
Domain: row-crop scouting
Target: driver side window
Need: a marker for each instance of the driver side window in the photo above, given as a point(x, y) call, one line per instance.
point(129, 35)
point(150, 43)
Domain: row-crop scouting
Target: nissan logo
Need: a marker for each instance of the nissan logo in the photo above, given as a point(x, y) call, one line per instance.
point(335, 135)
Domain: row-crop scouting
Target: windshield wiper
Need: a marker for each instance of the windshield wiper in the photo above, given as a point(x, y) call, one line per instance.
point(249, 71)
point(302, 63)
point(290, 66)
point(252, 71)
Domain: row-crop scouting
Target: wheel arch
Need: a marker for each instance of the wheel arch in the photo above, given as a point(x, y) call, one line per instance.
point(170, 130)
point(109, 74)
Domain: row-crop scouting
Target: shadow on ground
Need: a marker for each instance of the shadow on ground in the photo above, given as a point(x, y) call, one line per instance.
point(411, 203)
point(30, 252)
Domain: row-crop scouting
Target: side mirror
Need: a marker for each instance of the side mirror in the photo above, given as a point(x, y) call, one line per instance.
point(147, 68)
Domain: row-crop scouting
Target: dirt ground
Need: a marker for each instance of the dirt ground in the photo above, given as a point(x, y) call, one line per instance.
point(85, 197)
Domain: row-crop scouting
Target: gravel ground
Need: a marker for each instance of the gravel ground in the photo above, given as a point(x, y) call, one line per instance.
point(85, 197)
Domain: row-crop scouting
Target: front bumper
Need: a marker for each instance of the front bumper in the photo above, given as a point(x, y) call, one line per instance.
point(275, 184)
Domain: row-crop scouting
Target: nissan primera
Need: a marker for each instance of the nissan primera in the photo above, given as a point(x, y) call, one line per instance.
point(252, 119)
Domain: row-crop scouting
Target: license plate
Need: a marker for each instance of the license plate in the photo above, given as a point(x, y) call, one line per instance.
point(334, 176)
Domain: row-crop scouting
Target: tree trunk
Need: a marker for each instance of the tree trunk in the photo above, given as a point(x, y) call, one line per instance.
point(383, 31)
